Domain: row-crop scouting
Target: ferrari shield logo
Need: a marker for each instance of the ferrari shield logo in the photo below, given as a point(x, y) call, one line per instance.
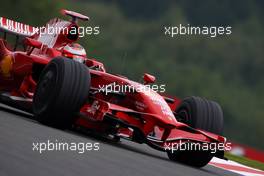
point(95, 107)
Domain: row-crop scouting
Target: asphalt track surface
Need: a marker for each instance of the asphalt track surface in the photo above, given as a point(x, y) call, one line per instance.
point(19, 131)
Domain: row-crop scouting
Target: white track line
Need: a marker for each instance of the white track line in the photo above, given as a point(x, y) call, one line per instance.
point(236, 167)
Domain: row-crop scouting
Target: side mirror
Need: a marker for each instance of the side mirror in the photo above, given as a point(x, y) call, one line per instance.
point(148, 79)
point(33, 43)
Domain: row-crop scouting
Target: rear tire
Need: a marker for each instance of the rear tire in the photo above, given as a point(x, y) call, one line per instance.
point(62, 89)
point(201, 114)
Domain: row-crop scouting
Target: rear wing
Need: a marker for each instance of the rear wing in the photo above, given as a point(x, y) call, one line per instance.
point(16, 28)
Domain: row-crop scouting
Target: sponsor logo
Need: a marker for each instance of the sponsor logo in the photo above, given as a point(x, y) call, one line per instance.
point(6, 66)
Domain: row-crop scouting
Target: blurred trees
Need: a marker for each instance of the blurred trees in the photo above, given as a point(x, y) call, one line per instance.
point(29, 11)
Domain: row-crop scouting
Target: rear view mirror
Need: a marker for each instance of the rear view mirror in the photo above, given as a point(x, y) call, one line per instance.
point(33, 43)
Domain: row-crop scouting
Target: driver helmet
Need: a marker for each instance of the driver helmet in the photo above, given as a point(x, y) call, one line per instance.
point(74, 51)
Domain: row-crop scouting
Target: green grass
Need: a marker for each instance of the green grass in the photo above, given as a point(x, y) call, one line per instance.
point(245, 161)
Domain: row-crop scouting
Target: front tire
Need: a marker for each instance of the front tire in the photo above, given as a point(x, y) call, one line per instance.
point(201, 114)
point(62, 89)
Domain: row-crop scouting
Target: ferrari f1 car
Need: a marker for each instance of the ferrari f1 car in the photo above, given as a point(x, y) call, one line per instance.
point(51, 77)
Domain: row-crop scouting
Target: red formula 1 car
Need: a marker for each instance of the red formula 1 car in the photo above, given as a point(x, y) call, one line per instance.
point(51, 77)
